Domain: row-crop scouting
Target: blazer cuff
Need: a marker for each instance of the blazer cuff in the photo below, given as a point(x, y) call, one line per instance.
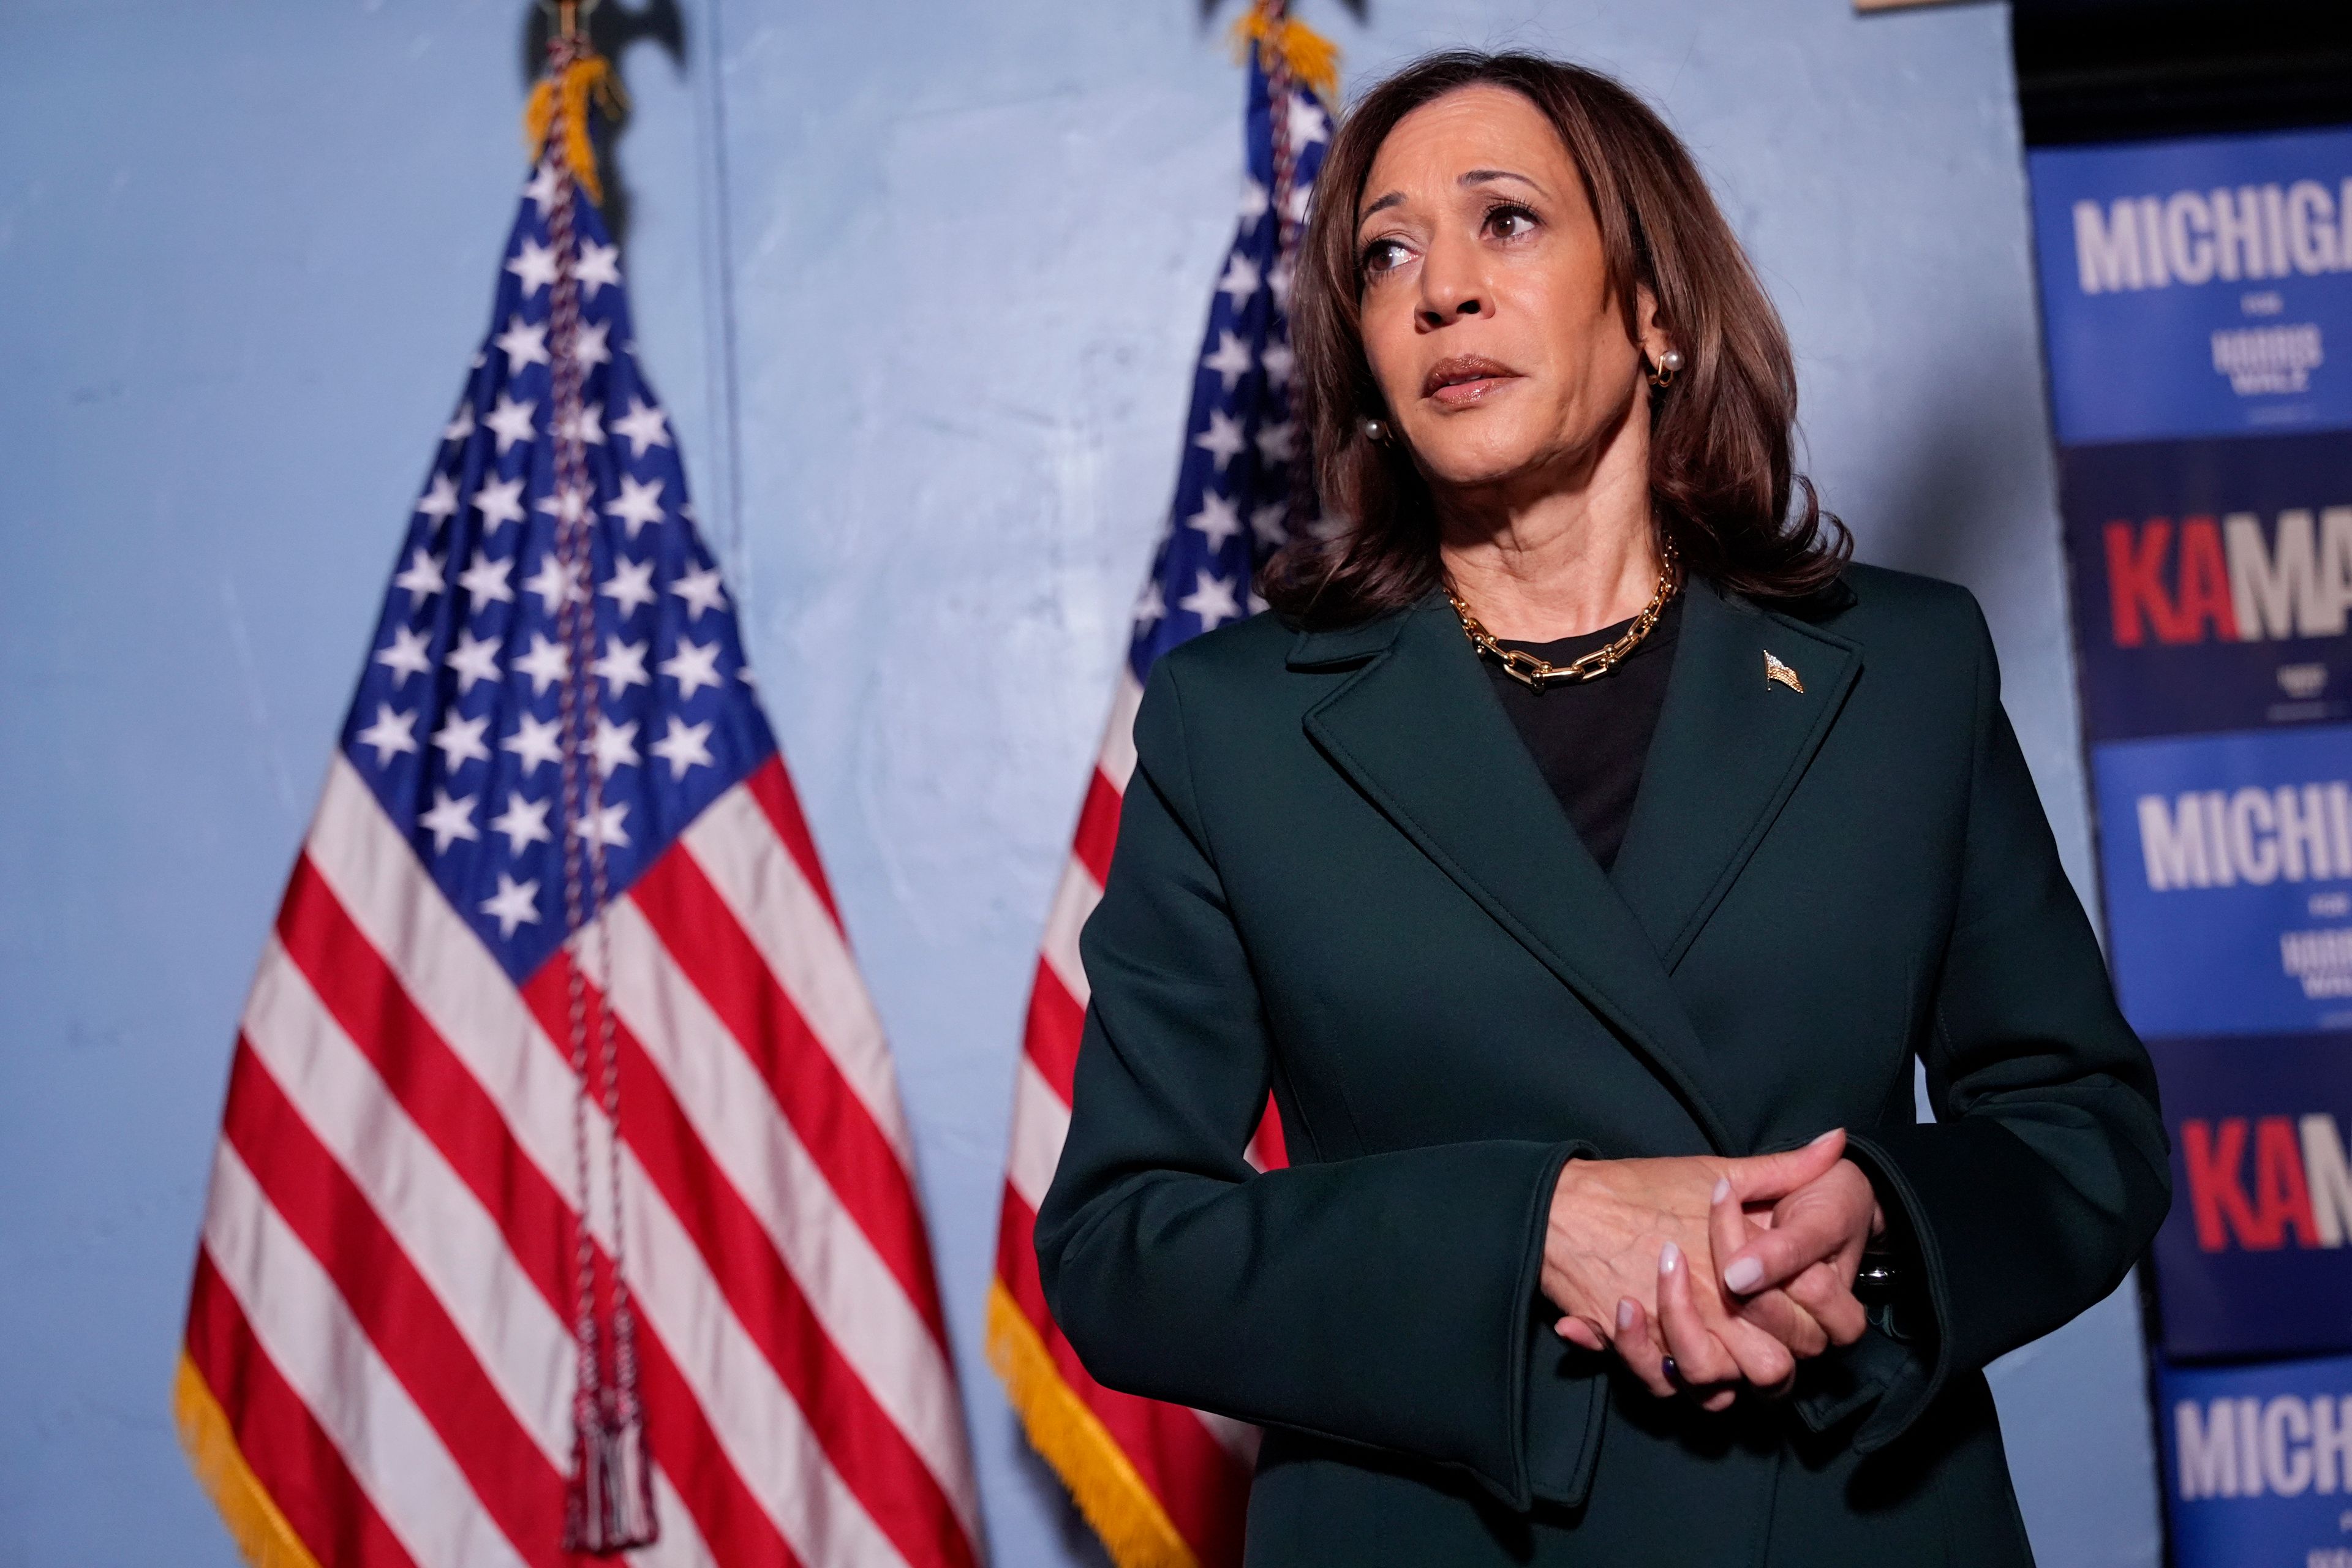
point(1567, 1388)
point(1907, 1377)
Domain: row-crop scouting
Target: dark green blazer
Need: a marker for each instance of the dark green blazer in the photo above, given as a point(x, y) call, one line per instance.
point(1339, 875)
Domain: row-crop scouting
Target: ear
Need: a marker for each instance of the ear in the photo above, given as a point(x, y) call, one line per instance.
point(1652, 339)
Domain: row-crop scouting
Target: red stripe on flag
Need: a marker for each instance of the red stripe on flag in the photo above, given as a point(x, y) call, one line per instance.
point(1098, 827)
point(772, 787)
point(280, 1441)
point(440, 1094)
point(1202, 1487)
point(868, 1449)
point(840, 1135)
point(403, 1319)
point(443, 1098)
point(1057, 1024)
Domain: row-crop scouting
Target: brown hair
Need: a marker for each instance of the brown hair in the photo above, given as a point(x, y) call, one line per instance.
point(1720, 471)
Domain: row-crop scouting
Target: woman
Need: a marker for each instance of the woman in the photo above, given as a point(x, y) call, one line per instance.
point(1583, 856)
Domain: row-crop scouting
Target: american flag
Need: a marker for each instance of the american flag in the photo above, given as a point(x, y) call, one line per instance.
point(1162, 1485)
point(379, 1364)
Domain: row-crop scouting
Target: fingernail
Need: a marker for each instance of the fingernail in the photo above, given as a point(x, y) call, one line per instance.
point(1824, 1137)
point(1625, 1314)
point(1722, 1189)
point(1743, 1275)
point(1670, 1257)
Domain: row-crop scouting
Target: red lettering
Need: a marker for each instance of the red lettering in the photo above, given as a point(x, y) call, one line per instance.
point(2214, 1192)
point(2136, 582)
point(2204, 584)
point(2282, 1196)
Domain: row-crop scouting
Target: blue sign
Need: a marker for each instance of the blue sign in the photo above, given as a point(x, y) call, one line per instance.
point(2211, 582)
point(2197, 287)
point(2258, 1463)
point(2255, 1257)
point(2227, 861)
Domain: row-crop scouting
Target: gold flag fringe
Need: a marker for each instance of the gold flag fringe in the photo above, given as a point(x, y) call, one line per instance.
point(588, 74)
point(1313, 59)
point(1134, 1527)
point(262, 1534)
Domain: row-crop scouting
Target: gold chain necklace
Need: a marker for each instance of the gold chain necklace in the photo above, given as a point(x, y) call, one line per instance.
point(1529, 671)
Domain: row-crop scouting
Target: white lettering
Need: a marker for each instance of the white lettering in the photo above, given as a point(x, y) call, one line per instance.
point(2311, 227)
point(2303, 832)
point(2329, 1175)
point(2286, 1460)
point(2188, 235)
point(2238, 233)
point(2172, 844)
point(2207, 1448)
point(2107, 252)
point(2331, 1442)
point(2251, 822)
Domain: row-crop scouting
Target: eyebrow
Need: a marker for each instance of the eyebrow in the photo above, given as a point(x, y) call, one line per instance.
point(1473, 177)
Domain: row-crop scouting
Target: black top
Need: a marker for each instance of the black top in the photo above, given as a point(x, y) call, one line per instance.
point(1590, 737)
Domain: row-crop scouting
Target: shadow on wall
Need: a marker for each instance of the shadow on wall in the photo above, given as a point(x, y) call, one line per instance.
point(612, 29)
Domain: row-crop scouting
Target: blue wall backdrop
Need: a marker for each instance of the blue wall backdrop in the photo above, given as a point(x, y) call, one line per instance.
point(920, 283)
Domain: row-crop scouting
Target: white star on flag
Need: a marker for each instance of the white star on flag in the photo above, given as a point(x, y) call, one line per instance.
point(459, 741)
point(1271, 523)
point(1212, 600)
point(1307, 122)
point(1218, 519)
point(615, 745)
point(448, 821)
point(475, 659)
point(588, 428)
point(499, 501)
point(552, 581)
point(1283, 274)
point(486, 580)
point(535, 265)
point(523, 822)
point(1275, 442)
point(1151, 605)
point(643, 427)
point(564, 505)
point(460, 427)
point(512, 421)
point(542, 188)
point(1231, 360)
point(1240, 279)
point(546, 664)
point(1223, 437)
point(631, 586)
point(523, 344)
point(694, 665)
point(686, 746)
point(602, 825)
point(639, 504)
point(514, 904)
point(391, 734)
point(701, 592)
point(535, 741)
point(1254, 200)
point(1277, 360)
point(623, 666)
point(406, 656)
point(591, 344)
point(1299, 199)
point(421, 577)
point(439, 500)
point(598, 265)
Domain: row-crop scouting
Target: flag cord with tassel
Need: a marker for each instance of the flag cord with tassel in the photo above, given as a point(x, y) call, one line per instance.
point(608, 1504)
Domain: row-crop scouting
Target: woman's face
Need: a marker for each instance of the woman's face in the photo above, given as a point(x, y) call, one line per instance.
point(1486, 307)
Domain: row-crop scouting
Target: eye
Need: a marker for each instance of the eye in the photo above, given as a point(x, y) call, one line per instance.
point(1509, 220)
point(1382, 257)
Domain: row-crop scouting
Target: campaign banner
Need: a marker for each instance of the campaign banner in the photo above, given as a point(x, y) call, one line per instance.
point(2212, 583)
point(2255, 1257)
point(2258, 1463)
point(2199, 286)
point(2227, 865)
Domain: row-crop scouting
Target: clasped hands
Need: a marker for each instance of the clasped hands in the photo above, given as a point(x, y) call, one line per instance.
point(1710, 1275)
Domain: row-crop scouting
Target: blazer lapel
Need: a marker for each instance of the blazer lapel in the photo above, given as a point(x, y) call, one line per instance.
point(1735, 735)
point(1421, 734)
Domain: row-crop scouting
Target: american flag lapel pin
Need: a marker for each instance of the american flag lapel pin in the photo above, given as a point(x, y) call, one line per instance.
point(1775, 670)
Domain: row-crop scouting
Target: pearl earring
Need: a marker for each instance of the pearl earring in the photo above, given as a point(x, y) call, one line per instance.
point(1662, 376)
point(1376, 431)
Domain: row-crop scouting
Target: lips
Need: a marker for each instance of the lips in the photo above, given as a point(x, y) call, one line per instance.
point(1464, 379)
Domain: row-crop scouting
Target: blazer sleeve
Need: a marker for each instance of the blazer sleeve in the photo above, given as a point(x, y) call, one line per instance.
point(1384, 1299)
point(2047, 1171)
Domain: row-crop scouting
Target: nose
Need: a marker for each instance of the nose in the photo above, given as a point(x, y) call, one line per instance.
point(1452, 286)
